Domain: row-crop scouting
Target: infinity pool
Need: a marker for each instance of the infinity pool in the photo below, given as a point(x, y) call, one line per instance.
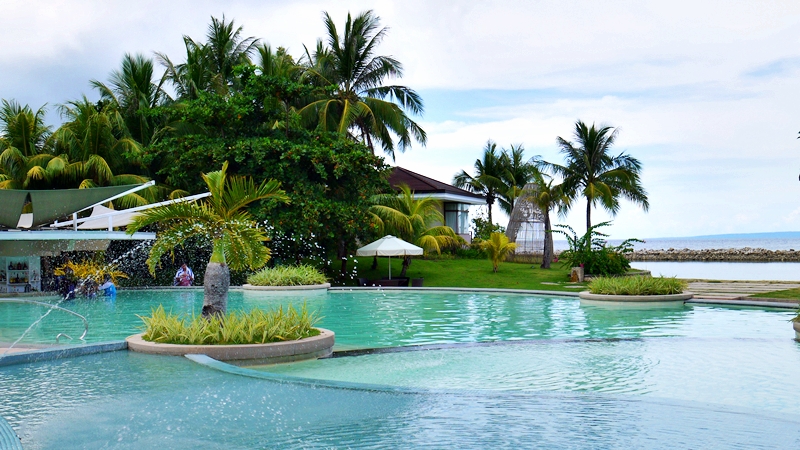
point(451, 370)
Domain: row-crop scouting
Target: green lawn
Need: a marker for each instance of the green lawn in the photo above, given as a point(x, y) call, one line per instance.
point(789, 294)
point(474, 273)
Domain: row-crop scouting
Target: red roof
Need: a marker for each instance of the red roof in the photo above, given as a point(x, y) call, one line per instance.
point(421, 184)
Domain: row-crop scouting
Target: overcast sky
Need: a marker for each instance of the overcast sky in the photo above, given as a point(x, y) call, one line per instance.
point(705, 93)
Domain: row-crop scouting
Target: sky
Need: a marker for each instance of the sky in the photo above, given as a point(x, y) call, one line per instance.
point(704, 93)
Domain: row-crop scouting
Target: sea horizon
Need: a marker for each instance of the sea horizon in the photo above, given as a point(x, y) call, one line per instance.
point(784, 240)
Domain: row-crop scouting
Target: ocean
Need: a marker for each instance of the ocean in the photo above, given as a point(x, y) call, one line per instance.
point(774, 271)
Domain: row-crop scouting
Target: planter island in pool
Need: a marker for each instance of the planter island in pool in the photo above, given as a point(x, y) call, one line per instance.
point(274, 352)
point(307, 287)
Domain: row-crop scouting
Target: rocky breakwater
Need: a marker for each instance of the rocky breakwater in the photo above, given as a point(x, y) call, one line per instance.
point(716, 254)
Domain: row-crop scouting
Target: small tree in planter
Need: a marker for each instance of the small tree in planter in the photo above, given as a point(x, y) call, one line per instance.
point(237, 240)
point(591, 251)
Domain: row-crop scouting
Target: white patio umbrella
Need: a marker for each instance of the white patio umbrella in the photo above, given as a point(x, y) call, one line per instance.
point(389, 246)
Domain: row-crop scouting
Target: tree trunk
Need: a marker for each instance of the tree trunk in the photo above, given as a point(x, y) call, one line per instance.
point(588, 214)
point(547, 253)
point(489, 201)
point(215, 289)
point(343, 257)
point(406, 263)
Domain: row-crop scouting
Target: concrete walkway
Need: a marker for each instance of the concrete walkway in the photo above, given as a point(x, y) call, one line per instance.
point(737, 290)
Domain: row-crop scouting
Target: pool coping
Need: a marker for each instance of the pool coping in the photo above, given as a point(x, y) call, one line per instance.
point(53, 353)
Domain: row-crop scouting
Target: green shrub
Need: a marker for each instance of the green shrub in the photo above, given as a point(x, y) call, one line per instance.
point(287, 276)
point(591, 252)
point(636, 286)
point(254, 327)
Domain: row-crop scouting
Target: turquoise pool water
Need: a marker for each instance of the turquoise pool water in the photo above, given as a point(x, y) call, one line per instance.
point(506, 371)
point(364, 319)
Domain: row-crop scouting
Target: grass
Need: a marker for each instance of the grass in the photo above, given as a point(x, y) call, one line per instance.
point(254, 327)
point(473, 273)
point(788, 294)
point(287, 276)
point(637, 286)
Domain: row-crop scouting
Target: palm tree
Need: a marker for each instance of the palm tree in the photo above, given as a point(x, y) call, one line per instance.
point(132, 91)
point(236, 238)
point(23, 129)
point(209, 66)
point(487, 180)
point(497, 248)
point(356, 102)
point(416, 220)
point(515, 175)
point(591, 172)
point(548, 197)
point(226, 50)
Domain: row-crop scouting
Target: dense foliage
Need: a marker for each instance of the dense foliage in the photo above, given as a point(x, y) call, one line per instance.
point(637, 285)
point(301, 275)
point(253, 327)
point(592, 252)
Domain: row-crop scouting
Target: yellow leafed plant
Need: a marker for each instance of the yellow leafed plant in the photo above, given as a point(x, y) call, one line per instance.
point(91, 270)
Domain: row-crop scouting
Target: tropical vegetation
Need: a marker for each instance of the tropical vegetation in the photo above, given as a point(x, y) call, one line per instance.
point(593, 173)
point(593, 253)
point(497, 248)
point(415, 220)
point(220, 220)
point(300, 275)
point(91, 269)
point(252, 327)
point(637, 285)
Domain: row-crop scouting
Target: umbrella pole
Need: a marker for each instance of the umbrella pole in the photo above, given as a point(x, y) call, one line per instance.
point(390, 267)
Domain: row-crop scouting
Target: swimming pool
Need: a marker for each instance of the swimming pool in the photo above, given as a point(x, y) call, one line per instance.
point(498, 370)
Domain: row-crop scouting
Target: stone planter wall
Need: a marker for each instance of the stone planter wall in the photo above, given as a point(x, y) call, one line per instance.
point(796, 326)
point(310, 287)
point(309, 348)
point(586, 295)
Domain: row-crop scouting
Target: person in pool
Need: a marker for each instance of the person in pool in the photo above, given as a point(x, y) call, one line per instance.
point(184, 276)
point(108, 288)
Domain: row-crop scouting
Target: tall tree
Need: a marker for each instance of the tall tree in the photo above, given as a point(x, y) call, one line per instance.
point(209, 66)
point(133, 91)
point(415, 220)
point(594, 174)
point(236, 238)
point(23, 129)
point(355, 101)
point(548, 197)
point(487, 180)
point(515, 175)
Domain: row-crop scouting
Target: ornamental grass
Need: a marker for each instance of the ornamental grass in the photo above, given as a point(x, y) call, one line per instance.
point(301, 275)
point(253, 327)
point(636, 285)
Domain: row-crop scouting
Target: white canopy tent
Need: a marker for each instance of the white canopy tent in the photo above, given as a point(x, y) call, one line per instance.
point(389, 246)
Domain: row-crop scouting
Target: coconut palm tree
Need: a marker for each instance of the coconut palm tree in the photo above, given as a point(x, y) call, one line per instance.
point(591, 172)
point(355, 101)
point(237, 239)
point(497, 248)
point(209, 66)
point(516, 173)
point(548, 196)
point(416, 220)
point(133, 91)
point(23, 129)
point(487, 180)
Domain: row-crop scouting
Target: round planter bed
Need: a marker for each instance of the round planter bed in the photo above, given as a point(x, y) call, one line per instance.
point(586, 295)
point(308, 287)
point(796, 326)
point(308, 348)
